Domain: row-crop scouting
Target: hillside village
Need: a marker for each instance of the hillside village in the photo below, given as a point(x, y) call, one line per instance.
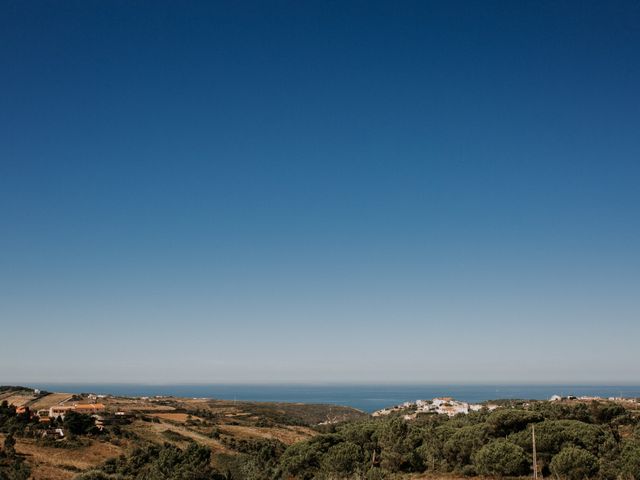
point(451, 407)
point(443, 405)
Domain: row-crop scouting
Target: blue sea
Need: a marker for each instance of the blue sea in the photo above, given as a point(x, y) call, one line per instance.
point(363, 397)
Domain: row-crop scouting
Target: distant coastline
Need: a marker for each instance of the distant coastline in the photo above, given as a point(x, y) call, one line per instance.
point(368, 398)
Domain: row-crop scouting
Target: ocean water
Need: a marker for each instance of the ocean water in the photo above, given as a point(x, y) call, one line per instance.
point(364, 397)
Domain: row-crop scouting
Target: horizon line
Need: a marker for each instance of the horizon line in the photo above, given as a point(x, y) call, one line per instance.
point(330, 383)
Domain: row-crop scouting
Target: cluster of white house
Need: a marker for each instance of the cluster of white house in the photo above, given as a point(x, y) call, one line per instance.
point(444, 405)
point(588, 398)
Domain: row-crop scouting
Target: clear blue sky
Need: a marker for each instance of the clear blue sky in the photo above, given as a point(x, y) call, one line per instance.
point(319, 191)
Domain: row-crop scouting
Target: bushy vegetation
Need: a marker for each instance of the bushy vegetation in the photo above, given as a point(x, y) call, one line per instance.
point(79, 423)
point(165, 462)
point(500, 458)
point(12, 466)
point(574, 463)
point(15, 423)
point(175, 436)
point(573, 442)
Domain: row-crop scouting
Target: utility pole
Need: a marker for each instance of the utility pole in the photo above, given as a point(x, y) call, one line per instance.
point(535, 459)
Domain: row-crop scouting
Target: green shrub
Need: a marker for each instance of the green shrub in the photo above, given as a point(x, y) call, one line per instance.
point(500, 458)
point(460, 447)
point(503, 422)
point(96, 475)
point(630, 460)
point(342, 459)
point(574, 463)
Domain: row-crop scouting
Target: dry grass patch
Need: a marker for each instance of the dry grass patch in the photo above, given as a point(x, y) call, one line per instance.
point(156, 433)
point(18, 400)
point(62, 463)
point(175, 417)
point(286, 435)
point(50, 400)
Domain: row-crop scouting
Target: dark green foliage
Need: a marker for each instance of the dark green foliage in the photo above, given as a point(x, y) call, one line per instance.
point(12, 466)
point(464, 442)
point(395, 445)
point(13, 469)
point(175, 464)
point(364, 434)
point(563, 411)
point(259, 459)
point(500, 458)
point(629, 462)
point(165, 462)
point(495, 444)
point(9, 445)
point(79, 423)
point(304, 460)
point(97, 475)
point(574, 463)
point(343, 459)
point(610, 413)
point(503, 422)
point(553, 435)
point(610, 459)
point(176, 436)
point(12, 422)
point(431, 451)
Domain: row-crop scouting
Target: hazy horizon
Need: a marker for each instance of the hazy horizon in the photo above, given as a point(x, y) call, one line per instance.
point(423, 192)
point(345, 383)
